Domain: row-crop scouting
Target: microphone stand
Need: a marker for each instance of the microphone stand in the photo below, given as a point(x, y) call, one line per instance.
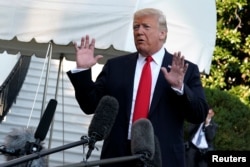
point(35, 155)
point(108, 161)
point(32, 147)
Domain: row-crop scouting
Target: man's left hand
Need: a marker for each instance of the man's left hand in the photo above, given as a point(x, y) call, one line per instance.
point(175, 76)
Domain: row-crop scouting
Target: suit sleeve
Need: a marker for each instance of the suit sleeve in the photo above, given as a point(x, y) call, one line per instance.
point(210, 131)
point(194, 101)
point(86, 93)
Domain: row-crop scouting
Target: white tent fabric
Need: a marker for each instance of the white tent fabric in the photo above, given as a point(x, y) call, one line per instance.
point(27, 26)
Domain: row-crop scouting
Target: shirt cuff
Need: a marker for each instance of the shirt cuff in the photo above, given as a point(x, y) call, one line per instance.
point(179, 92)
point(76, 70)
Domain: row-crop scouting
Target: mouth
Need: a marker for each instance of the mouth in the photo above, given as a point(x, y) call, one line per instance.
point(140, 41)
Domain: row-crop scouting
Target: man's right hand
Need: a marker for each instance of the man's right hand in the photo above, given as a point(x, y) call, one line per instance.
point(209, 116)
point(85, 53)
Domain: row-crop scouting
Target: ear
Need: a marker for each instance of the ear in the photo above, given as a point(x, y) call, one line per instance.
point(162, 35)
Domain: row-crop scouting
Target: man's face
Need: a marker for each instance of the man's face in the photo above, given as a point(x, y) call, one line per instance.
point(148, 37)
point(210, 113)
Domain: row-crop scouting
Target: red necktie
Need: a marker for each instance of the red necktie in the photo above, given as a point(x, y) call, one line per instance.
point(143, 93)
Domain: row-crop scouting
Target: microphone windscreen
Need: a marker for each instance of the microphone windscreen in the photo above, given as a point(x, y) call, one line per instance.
point(16, 140)
point(156, 161)
point(104, 118)
point(46, 120)
point(142, 138)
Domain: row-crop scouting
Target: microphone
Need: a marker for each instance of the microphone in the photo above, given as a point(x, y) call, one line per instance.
point(23, 141)
point(46, 120)
point(102, 121)
point(42, 128)
point(156, 161)
point(142, 140)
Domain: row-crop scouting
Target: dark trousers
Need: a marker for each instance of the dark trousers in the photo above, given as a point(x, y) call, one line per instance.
point(195, 157)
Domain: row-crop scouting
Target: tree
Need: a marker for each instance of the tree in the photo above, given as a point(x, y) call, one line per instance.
point(227, 85)
point(232, 134)
point(230, 68)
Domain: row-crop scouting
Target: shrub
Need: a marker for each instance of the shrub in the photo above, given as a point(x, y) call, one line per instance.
point(233, 119)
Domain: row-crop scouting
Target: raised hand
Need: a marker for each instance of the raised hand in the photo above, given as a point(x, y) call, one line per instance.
point(209, 116)
point(85, 53)
point(175, 76)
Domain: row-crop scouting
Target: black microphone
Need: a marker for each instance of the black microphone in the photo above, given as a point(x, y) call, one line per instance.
point(102, 121)
point(42, 128)
point(142, 140)
point(24, 141)
point(46, 120)
point(156, 161)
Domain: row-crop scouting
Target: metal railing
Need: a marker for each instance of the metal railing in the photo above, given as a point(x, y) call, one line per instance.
point(12, 85)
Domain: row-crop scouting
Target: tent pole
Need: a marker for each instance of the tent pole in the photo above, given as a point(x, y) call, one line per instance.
point(46, 78)
point(56, 94)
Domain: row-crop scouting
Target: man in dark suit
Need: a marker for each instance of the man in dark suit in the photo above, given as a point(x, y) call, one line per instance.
point(176, 93)
point(200, 141)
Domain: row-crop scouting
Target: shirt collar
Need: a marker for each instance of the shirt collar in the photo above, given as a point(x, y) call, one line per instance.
point(157, 57)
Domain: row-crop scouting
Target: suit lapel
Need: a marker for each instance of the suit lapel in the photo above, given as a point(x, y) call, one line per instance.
point(161, 83)
point(128, 78)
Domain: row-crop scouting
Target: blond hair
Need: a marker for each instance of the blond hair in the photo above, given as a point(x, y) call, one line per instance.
point(154, 12)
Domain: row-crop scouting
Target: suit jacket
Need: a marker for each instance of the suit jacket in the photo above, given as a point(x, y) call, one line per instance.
point(167, 112)
point(193, 156)
point(209, 131)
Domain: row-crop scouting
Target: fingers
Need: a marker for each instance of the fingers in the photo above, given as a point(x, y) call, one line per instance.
point(92, 44)
point(98, 57)
point(81, 45)
point(88, 44)
point(178, 59)
point(85, 44)
point(179, 62)
point(164, 70)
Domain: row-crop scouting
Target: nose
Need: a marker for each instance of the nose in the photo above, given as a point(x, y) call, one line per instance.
point(139, 30)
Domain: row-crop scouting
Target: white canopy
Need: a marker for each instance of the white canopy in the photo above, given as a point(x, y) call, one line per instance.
point(27, 26)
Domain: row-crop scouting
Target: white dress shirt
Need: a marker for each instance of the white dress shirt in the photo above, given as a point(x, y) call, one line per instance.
point(155, 69)
point(203, 144)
